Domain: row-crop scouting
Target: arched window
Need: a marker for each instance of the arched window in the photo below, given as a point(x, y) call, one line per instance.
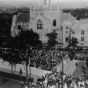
point(39, 25)
point(54, 22)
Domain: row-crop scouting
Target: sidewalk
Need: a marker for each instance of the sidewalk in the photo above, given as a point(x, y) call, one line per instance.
point(5, 68)
point(5, 71)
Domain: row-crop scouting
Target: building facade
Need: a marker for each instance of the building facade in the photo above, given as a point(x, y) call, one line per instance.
point(42, 20)
point(46, 18)
point(78, 29)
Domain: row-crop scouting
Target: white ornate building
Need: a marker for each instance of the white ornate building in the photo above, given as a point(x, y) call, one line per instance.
point(42, 19)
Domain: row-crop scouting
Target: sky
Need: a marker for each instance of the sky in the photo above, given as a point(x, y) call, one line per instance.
point(62, 3)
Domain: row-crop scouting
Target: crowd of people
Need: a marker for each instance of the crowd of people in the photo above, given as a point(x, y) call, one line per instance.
point(67, 81)
point(42, 58)
point(46, 60)
point(61, 80)
point(81, 57)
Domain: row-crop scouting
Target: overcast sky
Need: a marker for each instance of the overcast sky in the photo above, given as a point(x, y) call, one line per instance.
point(63, 3)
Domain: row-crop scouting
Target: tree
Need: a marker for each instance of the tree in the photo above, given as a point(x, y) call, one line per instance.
point(24, 40)
point(5, 26)
point(72, 46)
point(10, 56)
point(72, 42)
point(21, 47)
point(52, 39)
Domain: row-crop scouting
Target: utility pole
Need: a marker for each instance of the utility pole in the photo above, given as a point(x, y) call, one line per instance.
point(29, 69)
point(63, 56)
point(26, 57)
point(70, 36)
point(62, 70)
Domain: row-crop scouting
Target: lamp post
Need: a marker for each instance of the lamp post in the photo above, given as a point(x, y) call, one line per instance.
point(27, 65)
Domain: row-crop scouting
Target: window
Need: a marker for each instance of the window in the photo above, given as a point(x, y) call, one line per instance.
point(54, 23)
point(82, 32)
point(82, 38)
point(67, 27)
point(39, 25)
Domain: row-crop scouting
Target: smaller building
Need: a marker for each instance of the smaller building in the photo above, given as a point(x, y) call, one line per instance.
point(78, 29)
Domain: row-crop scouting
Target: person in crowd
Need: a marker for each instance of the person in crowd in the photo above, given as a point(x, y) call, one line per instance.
point(20, 71)
point(76, 64)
